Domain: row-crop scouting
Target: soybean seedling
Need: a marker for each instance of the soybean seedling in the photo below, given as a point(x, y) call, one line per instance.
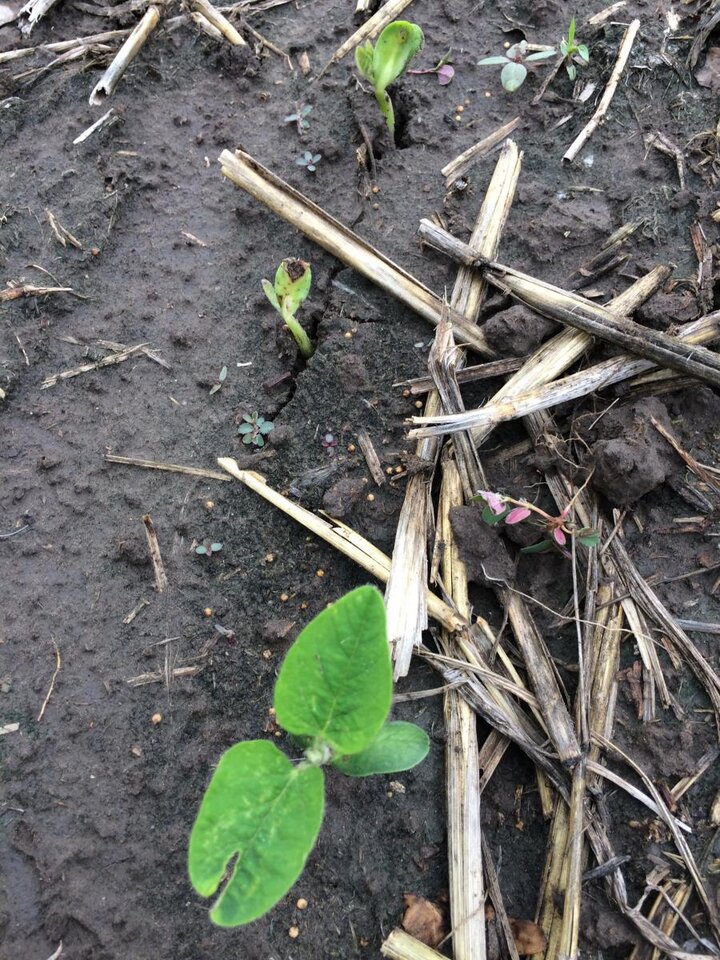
point(514, 71)
point(558, 530)
point(262, 813)
point(291, 288)
point(573, 52)
point(254, 429)
point(217, 385)
point(387, 60)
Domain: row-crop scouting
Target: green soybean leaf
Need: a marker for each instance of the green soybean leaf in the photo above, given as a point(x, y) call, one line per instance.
point(492, 61)
point(335, 683)
point(398, 746)
point(542, 55)
point(583, 53)
point(270, 294)
point(266, 811)
point(292, 284)
point(544, 546)
point(512, 76)
point(364, 60)
point(396, 46)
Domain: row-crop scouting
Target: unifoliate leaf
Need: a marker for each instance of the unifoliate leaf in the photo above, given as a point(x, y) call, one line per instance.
point(293, 280)
point(541, 55)
point(543, 547)
point(364, 60)
point(517, 50)
point(588, 538)
point(266, 812)
point(583, 52)
point(571, 70)
point(512, 76)
point(396, 46)
point(492, 61)
point(270, 294)
point(398, 746)
point(489, 515)
point(335, 683)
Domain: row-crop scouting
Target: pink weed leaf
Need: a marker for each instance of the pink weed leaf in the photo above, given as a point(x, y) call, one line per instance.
point(494, 501)
point(517, 515)
point(559, 536)
point(445, 74)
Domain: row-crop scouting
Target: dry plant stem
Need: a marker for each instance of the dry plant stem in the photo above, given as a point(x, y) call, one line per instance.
point(204, 24)
point(33, 11)
point(110, 361)
point(405, 594)
point(609, 92)
point(371, 458)
point(597, 377)
point(179, 673)
point(401, 946)
point(385, 15)
point(28, 290)
point(125, 55)
point(576, 311)
point(168, 467)
point(56, 671)
point(692, 463)
point(467, 897)
point(495, 895)
point(570, 929)
point(104, 120)
point(155, 555)
point(363, 6)
point(465, 161)
point(482, 371)
point(220, 22)
point(339, 240)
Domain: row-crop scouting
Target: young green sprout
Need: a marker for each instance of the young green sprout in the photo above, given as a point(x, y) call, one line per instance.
point(514, 71)
point(291, 289)
point(573, 52)
point(387, 60)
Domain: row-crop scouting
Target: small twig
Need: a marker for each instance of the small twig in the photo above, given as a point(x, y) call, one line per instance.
point(371, 457)
point(107, 119)
point(665, 145)
point(692, 463)
point(52, 681)
point(29, 290)
point(140, 605)
point(460, 165)
point(155, 556)
point(220, 22)
point(125, 55)
point(97, 365)
point(608, 94)
point(159, 676)
point(169, 467)
point(271, 46)
point(62, 235)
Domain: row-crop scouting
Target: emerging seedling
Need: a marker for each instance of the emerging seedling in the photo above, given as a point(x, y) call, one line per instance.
point(261, 813)
point(499, 508)
point(442, 69)
point(514, 71)
point(309, 160)
point(207, 548)
point(573, 52)
point(300, 118)
point(387, 60)
point(255, 429)
point(291, 288)
point(219, 382)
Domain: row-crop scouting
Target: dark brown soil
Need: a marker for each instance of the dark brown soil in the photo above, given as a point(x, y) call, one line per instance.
point(97, 800)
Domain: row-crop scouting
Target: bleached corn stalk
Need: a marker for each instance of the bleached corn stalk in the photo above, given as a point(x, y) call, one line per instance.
point(125, 55)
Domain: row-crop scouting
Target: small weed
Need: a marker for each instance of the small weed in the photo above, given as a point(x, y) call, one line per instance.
point(442, 70)
point(387, 60)
point(255, 429)
point(309, 161)
point(291, 289)
point(300, 118)
point(501, 508)
point(514, 71)
point(573, 52)
point(219, 382)
point(207, 548)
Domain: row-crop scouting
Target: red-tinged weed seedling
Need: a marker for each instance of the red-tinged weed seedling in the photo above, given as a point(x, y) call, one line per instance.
point(514, 71)
point(573, 52)
point(261, 813)
point(442, 70)
point(254, 429)
point(500, 508)
point(217, 385)
point(207, 548)
point(309, 160)
point(382, 64)
point(291, 289)
point(300, 118)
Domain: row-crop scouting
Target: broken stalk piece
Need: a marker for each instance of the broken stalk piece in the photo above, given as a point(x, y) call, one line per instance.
point(125, 55)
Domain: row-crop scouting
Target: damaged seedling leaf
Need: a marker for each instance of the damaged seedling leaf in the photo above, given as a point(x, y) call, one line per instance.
point(291, 288)
point(514, 71)
point(261, 813)
point(382, 64)
point(573, 52)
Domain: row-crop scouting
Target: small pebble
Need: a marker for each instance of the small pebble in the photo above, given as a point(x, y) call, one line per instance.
point(459, 108)
point(294, 933)
point(348, 335)
point(398, 469)
point(418, 404)
point(207, 612)
point(371, 497)
point(209, 504)
point(376, 206)
point(303, 605)
point(269, 557)
point(155, 719)
point(267, 654)
point(136, 751)
point(488, 94)
point(388, 470)
point(284, 597)
point(351, 448)
point(406, 393)
point(376, 189)
point(302, 904)
point(319, 573)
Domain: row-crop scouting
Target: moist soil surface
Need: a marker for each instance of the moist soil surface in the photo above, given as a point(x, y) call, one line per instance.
point(99, 794)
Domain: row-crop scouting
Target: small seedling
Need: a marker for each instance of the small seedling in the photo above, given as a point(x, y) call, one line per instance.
point(309, 160)
point(387, 60)
point(261, 813)
point(442, 69)
point(291, 289)
point(573, 52)
point(300, 118)
point(255, 429)
point(514, 71)
point(501, 508)
point(219, 382)
point(207, 548)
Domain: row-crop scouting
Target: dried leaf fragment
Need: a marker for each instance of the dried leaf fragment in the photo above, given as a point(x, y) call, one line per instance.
point(423, 920)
